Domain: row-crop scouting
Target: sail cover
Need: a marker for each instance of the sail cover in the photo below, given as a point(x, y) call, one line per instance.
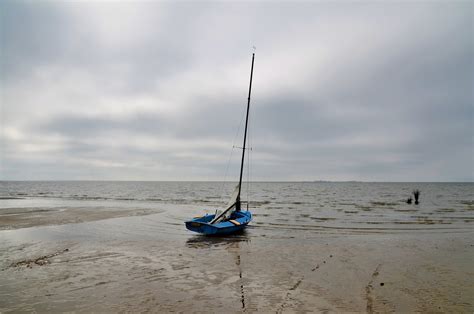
point(233, 198)
point(229, 208)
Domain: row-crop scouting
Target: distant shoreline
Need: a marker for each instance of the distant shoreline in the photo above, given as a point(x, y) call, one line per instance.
point(218, 181)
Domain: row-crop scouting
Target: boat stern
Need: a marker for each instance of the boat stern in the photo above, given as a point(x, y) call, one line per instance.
point(200, 224)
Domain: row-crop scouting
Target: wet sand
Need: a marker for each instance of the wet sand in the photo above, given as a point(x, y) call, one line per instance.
point(151, 263)
point(16, 218)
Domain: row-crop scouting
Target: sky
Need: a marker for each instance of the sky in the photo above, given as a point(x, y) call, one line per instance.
point(360, 90)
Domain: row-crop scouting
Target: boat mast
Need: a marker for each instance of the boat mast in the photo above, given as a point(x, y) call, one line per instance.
point(237, 205)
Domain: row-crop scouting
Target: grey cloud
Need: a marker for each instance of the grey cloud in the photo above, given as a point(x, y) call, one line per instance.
point(373, 91)
point(84, 126)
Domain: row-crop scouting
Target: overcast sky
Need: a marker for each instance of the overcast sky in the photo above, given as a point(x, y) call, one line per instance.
point(375, 91)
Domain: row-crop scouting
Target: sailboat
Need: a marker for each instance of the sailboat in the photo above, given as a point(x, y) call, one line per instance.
point(232, 219)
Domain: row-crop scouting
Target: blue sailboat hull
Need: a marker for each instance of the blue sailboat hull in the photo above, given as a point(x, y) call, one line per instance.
point(237, 222)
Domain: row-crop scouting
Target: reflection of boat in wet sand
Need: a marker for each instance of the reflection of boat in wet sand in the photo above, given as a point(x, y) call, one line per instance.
point(232, 218)
point(201, 241)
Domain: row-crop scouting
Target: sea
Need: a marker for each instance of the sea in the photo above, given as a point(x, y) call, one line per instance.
point(280, 207)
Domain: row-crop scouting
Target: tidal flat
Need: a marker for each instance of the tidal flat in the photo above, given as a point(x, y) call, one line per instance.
point(62, 254)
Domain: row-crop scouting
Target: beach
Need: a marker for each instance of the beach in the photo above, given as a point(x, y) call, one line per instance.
point(66, 253)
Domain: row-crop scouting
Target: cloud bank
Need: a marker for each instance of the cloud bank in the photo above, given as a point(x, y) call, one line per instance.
point(156, 90)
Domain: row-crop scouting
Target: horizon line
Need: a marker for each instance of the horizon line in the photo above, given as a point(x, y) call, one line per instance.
point(220, 181)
